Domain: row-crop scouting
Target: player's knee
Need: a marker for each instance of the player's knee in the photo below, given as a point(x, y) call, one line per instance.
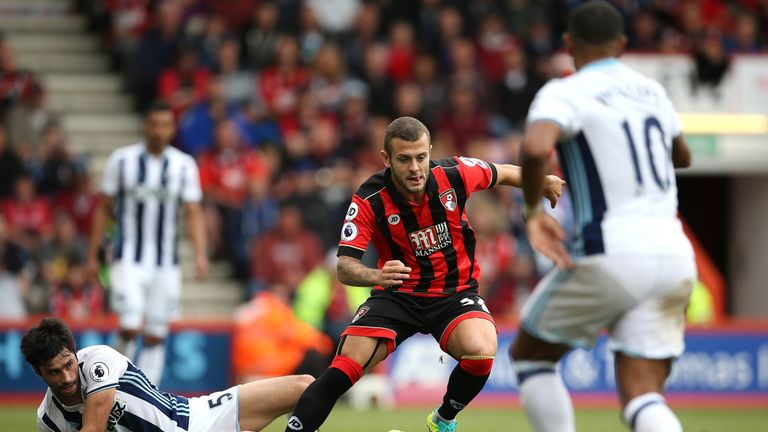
point(128, 334)
point(155, 329)
point(303, 381)
point(149, 340)
point(299, 383)
point(530, 348)
point(518, 350)
point(518, 353)
point(480, 347)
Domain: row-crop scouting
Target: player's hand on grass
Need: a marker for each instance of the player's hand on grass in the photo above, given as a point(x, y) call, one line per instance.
point(201, 267)
point(553, 188)
point(547, 236)
point(394, 273)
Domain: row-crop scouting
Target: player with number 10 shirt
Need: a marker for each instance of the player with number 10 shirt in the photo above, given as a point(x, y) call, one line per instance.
point(426, 280)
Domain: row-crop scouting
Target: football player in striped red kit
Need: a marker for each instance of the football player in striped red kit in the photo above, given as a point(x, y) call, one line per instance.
point(427, 277)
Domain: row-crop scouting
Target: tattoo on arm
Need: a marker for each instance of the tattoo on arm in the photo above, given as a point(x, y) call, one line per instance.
point(351, 271)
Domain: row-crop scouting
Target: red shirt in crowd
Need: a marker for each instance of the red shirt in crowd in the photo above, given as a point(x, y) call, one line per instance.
point(225, 177)
point(180, 93)
point(79, 303)
point(277, 259)
point(496, 256)
point(80, 206)
point(463, 129)
point(34, 216)
point(281, 90)
point(401, 62)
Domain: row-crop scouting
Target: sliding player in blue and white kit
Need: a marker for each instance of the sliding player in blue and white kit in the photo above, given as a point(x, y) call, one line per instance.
point(98, 389)
point(630, 268)
point(144, 186)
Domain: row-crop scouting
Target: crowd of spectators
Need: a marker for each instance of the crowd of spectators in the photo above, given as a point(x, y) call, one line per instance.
point(284, 104)
point(45, 205)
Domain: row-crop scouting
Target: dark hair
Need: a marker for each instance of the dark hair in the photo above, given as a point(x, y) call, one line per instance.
point(46, 341)
point(595, 22)
point(158, 106)
point(404, 128)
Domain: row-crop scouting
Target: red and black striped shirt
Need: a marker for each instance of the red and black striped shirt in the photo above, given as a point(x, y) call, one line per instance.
point(433, 237)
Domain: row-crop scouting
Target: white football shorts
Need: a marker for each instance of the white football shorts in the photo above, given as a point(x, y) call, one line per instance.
point(640, 300)
point(145, 297)
point(215, 412)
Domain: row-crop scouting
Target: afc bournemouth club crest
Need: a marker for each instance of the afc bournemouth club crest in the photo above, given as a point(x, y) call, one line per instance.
point(360, 312)
point(448, 198)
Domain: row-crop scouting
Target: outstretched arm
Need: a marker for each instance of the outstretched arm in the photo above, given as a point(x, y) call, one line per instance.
point(352, 272)
point(97, 408)
point(544, 232)
point(511, 175)
point(540, 138)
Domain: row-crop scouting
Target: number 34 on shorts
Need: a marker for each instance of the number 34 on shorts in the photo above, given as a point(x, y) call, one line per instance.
point(468, 301)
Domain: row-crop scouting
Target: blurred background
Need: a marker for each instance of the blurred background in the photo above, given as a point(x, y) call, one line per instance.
point(284, 103)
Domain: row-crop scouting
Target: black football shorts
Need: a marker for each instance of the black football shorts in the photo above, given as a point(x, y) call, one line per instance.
point(397, 316)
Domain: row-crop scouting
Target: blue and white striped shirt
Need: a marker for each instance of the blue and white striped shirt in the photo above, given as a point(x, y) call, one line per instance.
point(138, 407)
point(617, 129)
point(148, 191)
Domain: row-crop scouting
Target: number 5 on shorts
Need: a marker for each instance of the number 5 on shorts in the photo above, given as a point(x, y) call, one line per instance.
point(219, 400)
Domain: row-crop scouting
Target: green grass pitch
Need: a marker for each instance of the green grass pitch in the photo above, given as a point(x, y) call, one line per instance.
point(343, 419)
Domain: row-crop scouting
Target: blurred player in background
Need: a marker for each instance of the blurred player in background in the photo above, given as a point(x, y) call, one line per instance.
point(97, 389)
point(142, 188)
point(630, 267)
point(427, 276)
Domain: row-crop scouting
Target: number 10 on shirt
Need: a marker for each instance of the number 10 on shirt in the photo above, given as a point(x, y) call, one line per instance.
point(650, 124)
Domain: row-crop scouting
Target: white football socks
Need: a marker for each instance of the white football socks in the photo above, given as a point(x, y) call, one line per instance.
point(544, 397)
point(152, 361)
point(649, 413)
